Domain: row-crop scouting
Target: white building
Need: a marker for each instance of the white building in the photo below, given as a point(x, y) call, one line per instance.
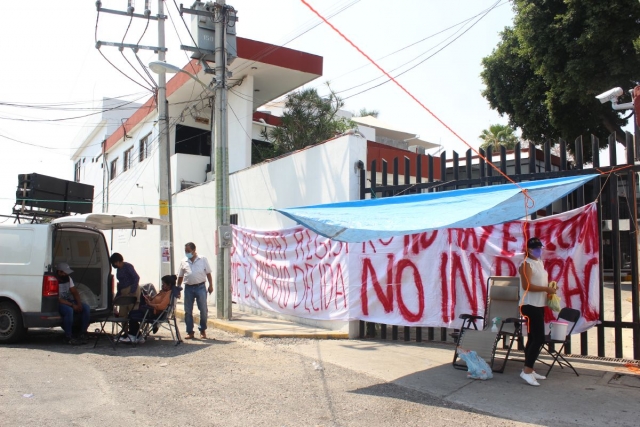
point(123, 165)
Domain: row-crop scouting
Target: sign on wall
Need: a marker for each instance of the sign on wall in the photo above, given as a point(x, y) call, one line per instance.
point(426, 279)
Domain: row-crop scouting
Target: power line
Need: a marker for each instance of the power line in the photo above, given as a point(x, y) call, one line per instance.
point(155, 143)
point(71, 118)
point(427, 58)
point(412, 44)
point(66, 106)
point(187, 27)
point(236, 116)
point(106, 59)
point(269, 50)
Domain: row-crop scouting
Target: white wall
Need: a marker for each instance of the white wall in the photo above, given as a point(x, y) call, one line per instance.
point(324, 173)
point(240, 117)
point(187, 167)
point(321, 174)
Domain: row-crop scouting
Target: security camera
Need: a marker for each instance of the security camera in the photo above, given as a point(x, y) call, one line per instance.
point(610, 95)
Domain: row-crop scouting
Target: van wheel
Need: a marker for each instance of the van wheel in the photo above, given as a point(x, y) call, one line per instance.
point(11, 327)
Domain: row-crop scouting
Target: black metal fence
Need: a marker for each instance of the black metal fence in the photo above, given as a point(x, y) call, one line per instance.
point(615, 191)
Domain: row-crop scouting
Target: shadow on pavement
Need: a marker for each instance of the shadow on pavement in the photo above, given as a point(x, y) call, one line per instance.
point(160, 345)
point(567, 399)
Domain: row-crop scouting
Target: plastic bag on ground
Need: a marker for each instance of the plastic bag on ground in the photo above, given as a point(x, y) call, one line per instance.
point(477, 368)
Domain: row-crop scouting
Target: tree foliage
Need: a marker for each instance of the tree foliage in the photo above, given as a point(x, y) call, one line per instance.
point(364, 113)
point(559, 54)
point(308, 119)
point(498, 135)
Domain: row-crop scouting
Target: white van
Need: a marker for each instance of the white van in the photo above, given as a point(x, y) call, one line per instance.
point(29, 254)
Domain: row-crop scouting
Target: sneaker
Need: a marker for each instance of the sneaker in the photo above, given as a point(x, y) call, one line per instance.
point(72, 341)
point(529, 378)
point(124, 338)
point(538, 376)
point(135, 339)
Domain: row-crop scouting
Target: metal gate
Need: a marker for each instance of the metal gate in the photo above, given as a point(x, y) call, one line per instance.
point(616, 192)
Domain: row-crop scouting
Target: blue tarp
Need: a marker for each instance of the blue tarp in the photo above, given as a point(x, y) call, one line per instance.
point(362, 220)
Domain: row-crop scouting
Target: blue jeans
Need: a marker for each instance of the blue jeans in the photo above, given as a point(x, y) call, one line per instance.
point(67, 314)
point(199, 293)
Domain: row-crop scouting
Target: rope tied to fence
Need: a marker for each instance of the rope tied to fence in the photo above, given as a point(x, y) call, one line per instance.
point(528, 199)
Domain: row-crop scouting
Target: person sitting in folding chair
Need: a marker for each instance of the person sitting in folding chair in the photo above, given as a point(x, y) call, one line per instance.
point(152, 308)
point(534, 280)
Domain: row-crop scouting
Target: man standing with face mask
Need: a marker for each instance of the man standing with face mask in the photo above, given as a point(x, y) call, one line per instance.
point(69, 304)
point(193, 271)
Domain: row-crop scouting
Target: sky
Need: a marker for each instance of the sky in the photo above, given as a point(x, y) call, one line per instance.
point(53, 71)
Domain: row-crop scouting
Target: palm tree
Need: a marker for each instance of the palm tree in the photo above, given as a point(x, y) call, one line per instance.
point(498, 135)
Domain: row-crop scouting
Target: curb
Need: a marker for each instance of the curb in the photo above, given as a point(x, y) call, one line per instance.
point(235, 328)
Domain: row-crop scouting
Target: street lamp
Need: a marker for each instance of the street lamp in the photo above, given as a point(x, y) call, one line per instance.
point(161, 67)
point(221, 170)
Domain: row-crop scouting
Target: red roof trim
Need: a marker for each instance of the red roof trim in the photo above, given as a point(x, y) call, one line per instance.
point(268, 118)
point(284, 57)
point(247, 49)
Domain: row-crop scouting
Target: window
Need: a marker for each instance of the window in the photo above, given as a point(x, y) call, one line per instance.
point(76, 173)
point(113, 171)
point(194, 141)
point(144, 146)
point(127, 159)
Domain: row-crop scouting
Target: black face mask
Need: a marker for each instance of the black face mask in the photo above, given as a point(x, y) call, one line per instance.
point(63, 279)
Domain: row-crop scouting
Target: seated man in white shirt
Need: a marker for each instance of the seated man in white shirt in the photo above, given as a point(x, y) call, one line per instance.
point(70, 304)
point(193, 272)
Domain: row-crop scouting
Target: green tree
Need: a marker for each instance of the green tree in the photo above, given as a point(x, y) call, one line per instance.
point(364, 113)
point(547, 69)
point(498, 135)
point(308, 119)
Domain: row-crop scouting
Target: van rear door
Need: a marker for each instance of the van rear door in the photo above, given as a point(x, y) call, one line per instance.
point(104, 221)
point(95, 222)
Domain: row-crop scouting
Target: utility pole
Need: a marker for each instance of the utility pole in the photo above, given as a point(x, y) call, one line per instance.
point(164, 159)
point(212, 45)
point(164, 155)
point(220, 135)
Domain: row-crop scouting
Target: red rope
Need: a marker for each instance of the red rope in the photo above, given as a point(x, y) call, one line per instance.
point(528, 200)
point(414, 98)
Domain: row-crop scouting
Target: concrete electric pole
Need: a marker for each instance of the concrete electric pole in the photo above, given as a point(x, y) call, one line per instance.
point(220, 135)
point(166, 231)
point(214, 29)
point(164, 159)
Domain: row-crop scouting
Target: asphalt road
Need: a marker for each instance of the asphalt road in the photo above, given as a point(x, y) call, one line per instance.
point(229, 381)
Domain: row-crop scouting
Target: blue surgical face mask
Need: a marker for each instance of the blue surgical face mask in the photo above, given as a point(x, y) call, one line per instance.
point(537, 252)
point(189, 255)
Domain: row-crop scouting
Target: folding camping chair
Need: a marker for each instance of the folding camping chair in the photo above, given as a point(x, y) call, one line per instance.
point(117, 323)
point(502, 302)
point(167, 320)
point(571, 316)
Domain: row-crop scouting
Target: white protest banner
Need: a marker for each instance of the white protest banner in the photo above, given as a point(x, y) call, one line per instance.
point(426, 279)
point(429, 279)
point(293, 271)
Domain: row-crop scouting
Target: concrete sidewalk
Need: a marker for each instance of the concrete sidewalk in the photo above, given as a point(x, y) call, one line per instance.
point(250, 325)
point(605, 393)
